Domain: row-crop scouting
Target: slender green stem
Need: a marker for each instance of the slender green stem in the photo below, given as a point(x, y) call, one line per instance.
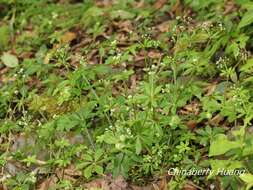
point(90, 139)
point(96, 96)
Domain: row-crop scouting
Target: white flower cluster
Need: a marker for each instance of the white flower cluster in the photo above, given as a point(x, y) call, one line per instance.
point(25, 119)
point(221, 27)
point(222, 61)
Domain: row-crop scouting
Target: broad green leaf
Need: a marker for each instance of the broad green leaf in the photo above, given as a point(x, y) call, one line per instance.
point(88, 171)
point(9, 60)
point(239, 133)
point(245, 4)
point(221, 145)
point(4, 36)
point(248, 179)
point(226, 164)
point(249, 79)
point(248, 66)
point(109, 138)
point(246, 20)
point(88, 157)
point(99, 169)
point(234, 77)
point(82, 165)
point(223, 165)
point(200, 37)
point(91, 15)
point(98, 154)
point(233, 48)
point(30, 160)
point(66, 123)
point(247, 150)
point(122, 14)
point(123, 75)
point(138, 146)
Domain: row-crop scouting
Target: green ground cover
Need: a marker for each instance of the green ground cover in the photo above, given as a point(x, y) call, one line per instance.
point(122, 91)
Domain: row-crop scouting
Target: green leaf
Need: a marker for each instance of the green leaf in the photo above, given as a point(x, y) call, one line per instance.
point(30, 160)
point(233, 48)
point(9, 60)
point(122, 14)
point(246, 20)
point(4, 36)
point(91, 15)
point(138, 146)
point(88, 172)
point(98, 154)
point(249, 79)
point(66, 123)
point(88, 157)
point(224, 165)
point(99, 169)
point(244, 3)
point(200, 37)
point(123, 75)
point(109, 138)
point(221, 145)
point(240, 132)
point(248, 66)
point(248, 179)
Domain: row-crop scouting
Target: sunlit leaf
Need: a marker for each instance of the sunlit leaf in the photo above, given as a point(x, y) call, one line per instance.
point(9, 60)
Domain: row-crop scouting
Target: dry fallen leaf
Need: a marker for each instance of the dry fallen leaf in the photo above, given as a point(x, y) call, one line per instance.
point(192, 108)
point(148, 187)
point(191, 124)
point(133, 80)
point(125, 26)
point(177, 8)
point(49, 182)
point(108, 183)
point(2, 187)
point(215, 121)
point(67, 37)
point(159, 4)
point(71, 171)
point(165, 26)
point(211, 88)
point(154, 54)
point(230, 6)
point(190, 186)
point(26, 55)
point(2, 72)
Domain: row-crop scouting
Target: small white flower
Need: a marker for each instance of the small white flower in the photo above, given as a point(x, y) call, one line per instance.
point(153, 67)
point(119, 146)
point(114, 42)
point(54, 15)
point(21, 71)
point(122, 138)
